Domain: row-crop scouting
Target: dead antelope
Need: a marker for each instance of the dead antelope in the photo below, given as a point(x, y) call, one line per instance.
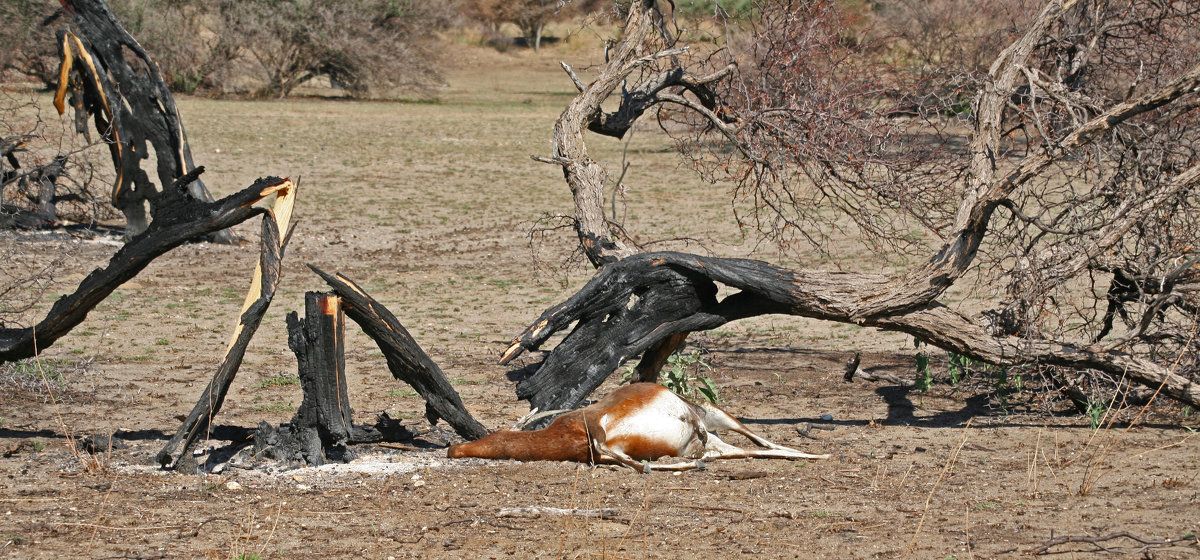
point(639, 422)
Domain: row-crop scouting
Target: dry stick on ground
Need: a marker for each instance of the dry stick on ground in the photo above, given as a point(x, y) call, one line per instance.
point(1146, 543)
point(174, 227)
point(638, 301)
point(276, 231)
point(538, 511)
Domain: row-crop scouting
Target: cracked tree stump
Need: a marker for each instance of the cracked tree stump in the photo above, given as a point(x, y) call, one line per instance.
point(322, 426)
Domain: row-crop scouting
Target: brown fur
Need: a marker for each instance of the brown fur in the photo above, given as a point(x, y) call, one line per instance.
point(563, 440)
point(566, 438)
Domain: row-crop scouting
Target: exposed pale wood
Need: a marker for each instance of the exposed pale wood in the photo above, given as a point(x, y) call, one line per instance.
point(276, 231)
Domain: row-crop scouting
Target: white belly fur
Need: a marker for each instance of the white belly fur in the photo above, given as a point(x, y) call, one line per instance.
point(665, 418)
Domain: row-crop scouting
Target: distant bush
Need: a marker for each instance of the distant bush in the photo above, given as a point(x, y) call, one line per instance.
point(530, 16)
point(264, 48)
point(182, 38)
point(360, 45)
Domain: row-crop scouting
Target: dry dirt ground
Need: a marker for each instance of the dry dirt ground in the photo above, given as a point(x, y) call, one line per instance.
point(428, 206)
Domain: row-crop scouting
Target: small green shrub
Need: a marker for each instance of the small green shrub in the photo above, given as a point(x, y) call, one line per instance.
point(683, 375)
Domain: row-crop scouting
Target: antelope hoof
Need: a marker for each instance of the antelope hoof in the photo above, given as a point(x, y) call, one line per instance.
point(701, 465)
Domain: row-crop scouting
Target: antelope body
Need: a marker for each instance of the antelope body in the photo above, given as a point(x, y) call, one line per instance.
point(639, 422)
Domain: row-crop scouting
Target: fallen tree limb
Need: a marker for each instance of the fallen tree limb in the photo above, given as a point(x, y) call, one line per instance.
point(174, 226)
point(531, 512)
point(632, 304)
point(405, 358)
point(1189, 540)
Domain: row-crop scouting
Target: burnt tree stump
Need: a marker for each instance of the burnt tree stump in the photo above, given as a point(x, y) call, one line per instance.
point(322, 427)
point(323, 420)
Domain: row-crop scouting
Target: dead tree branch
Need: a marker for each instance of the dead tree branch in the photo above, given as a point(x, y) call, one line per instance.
point(174, 227)
point(1147, 544)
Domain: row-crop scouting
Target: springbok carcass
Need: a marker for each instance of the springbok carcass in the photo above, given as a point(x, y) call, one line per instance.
point(631, 426)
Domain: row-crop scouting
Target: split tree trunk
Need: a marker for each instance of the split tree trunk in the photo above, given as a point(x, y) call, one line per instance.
point(323, 421)
point(119, 85)
point(323, 427)
point(276, 231)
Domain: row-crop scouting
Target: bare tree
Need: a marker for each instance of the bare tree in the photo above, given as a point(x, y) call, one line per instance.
point(1070, 179)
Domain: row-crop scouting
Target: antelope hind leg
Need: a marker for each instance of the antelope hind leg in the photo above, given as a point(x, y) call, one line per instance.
point(716, 420)
point(717, 449)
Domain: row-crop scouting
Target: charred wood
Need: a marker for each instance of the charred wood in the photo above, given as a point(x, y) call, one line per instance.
point(274, 239)
point(405, 358)
point(175, 226)
point(112, 78)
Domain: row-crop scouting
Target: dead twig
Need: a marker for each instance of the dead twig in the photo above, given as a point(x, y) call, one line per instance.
point(1095, 541)
point(538, 511)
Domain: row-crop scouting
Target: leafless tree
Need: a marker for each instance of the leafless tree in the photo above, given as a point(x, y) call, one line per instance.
point(1069, 180)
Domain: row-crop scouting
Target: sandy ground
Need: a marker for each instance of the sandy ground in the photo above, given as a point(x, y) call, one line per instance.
point(429, 207)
